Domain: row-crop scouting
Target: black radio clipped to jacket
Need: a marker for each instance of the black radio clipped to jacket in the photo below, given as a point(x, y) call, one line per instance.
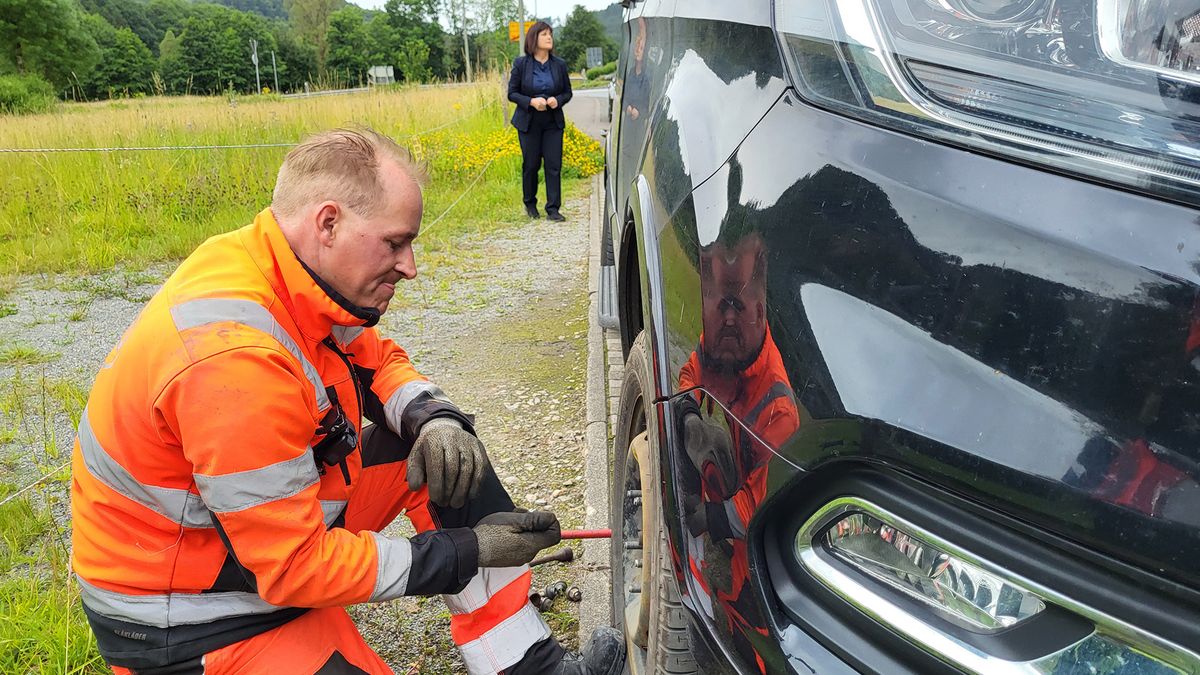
point(341, 438)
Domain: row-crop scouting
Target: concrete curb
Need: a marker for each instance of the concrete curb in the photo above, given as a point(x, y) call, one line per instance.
point(596, 581)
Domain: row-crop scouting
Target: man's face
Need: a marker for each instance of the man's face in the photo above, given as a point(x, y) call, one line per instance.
point(639, 44)
point(734, 312)
point(363, 258)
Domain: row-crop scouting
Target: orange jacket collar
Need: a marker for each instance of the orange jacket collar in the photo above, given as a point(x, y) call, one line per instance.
point(314, 311)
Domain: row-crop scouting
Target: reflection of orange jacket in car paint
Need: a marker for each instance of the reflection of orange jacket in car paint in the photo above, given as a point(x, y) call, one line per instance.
point(761, 398)
point(199, 429)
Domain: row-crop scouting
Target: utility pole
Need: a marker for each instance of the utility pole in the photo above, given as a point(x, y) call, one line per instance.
point(521, 30)
point(254, 58)
point(466, 44)
point(274, 68)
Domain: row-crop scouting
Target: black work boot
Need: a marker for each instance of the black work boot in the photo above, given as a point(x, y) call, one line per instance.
point(604, 654)
point(532, 211)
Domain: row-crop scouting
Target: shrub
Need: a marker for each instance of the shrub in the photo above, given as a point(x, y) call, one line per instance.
point(598, 71)
point(23, 94)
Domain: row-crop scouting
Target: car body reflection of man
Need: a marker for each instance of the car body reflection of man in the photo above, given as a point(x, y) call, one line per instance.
point(636, 89)
point(1139, 474)
point(738, 364)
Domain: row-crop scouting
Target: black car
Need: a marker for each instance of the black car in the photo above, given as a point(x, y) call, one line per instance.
point(909, 294)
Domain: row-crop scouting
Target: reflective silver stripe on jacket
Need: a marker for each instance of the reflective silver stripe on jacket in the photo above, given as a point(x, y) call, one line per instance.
point(505, 644)
point(177, 505)
point(243, 490)
point(395, 560)
point(196, 313)
point(332, 508)
point(347, 334)
point(394, 408)
point(171, 609)
point(736, 526)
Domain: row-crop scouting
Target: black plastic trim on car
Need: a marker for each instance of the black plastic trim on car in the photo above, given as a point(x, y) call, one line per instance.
point(796, 597)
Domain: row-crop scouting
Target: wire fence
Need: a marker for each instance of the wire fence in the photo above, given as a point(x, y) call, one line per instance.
point(428, 228)
point(35, 483)
point(231, 146)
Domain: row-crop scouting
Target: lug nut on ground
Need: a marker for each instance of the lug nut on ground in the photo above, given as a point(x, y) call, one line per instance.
point(574, 594)
point(555, 589)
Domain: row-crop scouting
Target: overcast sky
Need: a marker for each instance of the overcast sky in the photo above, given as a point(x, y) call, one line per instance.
point(558, 9)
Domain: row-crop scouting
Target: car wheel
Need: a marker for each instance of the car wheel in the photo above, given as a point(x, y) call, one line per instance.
point(646, 603)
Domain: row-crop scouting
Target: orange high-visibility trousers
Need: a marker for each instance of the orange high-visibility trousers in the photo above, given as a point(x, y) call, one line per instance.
point(488, 617)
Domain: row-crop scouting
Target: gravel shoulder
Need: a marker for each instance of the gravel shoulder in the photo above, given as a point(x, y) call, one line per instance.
point(502, 327)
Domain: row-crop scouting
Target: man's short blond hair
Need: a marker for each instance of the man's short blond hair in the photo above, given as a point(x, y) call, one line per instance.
point(341, 165)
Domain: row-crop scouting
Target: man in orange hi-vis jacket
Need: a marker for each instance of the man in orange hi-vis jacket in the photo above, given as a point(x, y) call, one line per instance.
point(738, 364)
point(227, 498)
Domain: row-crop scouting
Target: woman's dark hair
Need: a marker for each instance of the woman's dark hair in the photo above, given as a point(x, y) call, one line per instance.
point(532, 35)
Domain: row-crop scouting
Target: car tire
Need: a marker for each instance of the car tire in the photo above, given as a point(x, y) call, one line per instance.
point(654, 620)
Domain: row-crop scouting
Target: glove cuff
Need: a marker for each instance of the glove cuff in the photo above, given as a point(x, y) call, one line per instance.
point(718, 521)
point(467, 545)
point(443, 561)
point(424, 409)
point(442, 422)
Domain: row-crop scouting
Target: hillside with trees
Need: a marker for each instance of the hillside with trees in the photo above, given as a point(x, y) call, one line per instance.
point(97, 49)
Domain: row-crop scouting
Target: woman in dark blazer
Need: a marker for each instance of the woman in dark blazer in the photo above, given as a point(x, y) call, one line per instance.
point(540, 86)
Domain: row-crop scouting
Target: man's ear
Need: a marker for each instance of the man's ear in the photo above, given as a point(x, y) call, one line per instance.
point(327, 220)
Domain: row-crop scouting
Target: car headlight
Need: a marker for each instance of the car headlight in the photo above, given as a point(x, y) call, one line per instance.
point(1109, 89)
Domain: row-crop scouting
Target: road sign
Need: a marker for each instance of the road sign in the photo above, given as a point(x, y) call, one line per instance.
point(514, 29)
point(595, 57)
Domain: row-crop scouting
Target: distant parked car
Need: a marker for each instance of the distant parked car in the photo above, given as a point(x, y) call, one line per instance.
point(909, 295)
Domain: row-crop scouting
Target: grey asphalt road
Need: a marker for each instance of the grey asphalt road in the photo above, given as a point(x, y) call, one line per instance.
point(589, 111)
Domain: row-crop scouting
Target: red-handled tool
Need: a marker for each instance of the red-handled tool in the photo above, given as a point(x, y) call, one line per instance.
point(587, 534)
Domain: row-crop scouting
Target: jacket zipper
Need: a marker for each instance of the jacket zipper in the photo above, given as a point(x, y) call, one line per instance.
point(358, 395)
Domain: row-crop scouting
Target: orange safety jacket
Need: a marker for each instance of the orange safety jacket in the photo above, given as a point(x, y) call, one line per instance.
point(200, 515)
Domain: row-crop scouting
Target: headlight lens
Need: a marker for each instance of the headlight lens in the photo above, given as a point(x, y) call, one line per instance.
point(1106, 88)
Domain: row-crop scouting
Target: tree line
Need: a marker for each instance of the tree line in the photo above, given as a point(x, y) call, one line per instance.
point(94, 49)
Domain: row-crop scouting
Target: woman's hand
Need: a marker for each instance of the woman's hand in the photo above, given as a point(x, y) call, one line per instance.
point(539, 103)
point(552, 102)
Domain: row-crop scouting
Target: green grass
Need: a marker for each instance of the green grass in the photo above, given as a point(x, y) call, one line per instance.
point(29, 406)
point(20, 527)
point(69, 397)
point(42, 626)
point(7, 310)
point(87, 212)
point(24, 355)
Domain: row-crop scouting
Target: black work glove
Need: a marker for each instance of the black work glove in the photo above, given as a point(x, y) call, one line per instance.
point(695, 515)
point(513, 539)
point(706, 517)
point(451, 459)
point(709, 443)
